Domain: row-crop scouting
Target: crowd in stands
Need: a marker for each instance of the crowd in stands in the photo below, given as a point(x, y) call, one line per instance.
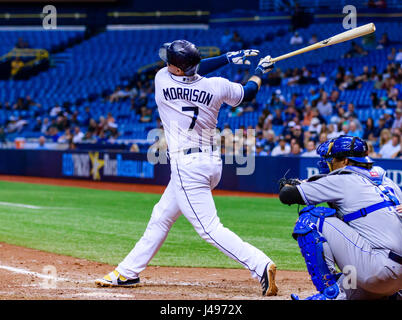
point(314, 118)
point(305, 119)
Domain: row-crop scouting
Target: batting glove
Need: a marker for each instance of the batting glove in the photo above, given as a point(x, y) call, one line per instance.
point(265, 65)
point(240, 57)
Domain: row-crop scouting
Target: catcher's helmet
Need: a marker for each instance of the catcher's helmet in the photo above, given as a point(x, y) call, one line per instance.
point(344, 146)
point(350, 147)
point(182, 54)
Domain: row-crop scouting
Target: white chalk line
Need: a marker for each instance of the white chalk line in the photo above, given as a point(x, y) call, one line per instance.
point(99, 293)
point(20, 205)
point(33, 273)
point(29, 206)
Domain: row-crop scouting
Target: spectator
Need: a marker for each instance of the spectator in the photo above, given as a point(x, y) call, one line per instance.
point(38, 125)
point(251, 106)
point(41, 143)
point(322, 137)
point(146, 115)
point(388, 119)
point(55, 111)
point(315, 126)
point(384, 41)
point(313, 39)
point(310, 150)
point(3, 139)
point(297, 133)
point(277, 120)
point(67, 137)
point(307, 115)
point(282, 148)
point(392, 55)
point(353, 131)
point(385, 137)
point(269, 135)
point(226, 38)
point(398, 57)
point(322, 78)
point(21, 44)
point(134, 148)
point(53, 133)
point(117, 94)
point(16, 65)
point(78, 135)
point(296, 150)
point(371, 152)
point(296, 39)
point(259, 150)
point(332, 131)
point(45, 126)
point(398, 118)
point(259, 139)
point(392, 147)
point(355, 51)
point(369, 128)
point(324, 106)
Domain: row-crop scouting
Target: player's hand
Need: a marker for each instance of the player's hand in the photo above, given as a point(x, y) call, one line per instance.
point(240, 57)
point(399, 208)
point(265, 65)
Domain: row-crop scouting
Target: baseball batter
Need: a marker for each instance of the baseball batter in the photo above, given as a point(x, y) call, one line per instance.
point(188, 105)
point(361, 232)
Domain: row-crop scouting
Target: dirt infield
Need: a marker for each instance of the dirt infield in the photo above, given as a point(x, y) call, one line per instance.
point(31, 274)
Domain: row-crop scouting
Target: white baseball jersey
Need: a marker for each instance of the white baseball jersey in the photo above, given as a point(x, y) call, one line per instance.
point(189, 107)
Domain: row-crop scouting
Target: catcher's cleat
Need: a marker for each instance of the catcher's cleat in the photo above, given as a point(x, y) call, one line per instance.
point(318, 296)
point(115, 279)
point(267, 281)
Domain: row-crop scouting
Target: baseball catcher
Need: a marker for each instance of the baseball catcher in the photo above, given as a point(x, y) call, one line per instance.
point(361, 230)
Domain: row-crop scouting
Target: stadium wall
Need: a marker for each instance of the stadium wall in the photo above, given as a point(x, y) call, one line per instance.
point(134, 168)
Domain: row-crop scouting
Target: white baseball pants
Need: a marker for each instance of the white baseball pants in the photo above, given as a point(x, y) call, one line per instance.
point(193, 176)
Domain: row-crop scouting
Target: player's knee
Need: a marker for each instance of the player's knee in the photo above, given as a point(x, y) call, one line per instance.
point(160, 218)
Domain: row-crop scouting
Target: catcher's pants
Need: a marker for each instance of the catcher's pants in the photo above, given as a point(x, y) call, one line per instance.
point(368, 272)
point(193, 176)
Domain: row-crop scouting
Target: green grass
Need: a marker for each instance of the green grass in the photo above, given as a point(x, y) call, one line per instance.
point(104, 226)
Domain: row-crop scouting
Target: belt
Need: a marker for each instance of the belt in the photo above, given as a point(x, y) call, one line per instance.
point(198, 149)
point(395, 257)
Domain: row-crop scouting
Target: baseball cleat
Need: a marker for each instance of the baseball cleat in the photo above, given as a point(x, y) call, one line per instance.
point(267, 281)
point(115, 279)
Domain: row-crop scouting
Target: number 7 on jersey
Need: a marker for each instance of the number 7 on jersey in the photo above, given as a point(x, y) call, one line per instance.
point(194, 119)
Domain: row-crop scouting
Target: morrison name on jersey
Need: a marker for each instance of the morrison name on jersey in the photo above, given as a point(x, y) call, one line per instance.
point(193, 95)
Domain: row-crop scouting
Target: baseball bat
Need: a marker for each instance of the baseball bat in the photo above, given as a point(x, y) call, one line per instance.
point(340, 37)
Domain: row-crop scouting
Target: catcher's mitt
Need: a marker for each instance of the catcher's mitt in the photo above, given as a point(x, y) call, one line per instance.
point(291, 181)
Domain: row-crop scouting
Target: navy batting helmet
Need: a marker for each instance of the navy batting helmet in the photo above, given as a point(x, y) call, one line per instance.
point(182, 54)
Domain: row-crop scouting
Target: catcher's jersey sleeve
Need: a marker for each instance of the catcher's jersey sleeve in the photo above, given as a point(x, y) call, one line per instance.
point(348, 193)
point(322, 190)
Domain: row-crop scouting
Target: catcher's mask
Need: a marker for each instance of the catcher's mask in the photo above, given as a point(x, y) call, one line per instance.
point(344, 146)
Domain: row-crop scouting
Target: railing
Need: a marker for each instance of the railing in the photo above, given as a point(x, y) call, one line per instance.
point(276, 5)
point(37, 54)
